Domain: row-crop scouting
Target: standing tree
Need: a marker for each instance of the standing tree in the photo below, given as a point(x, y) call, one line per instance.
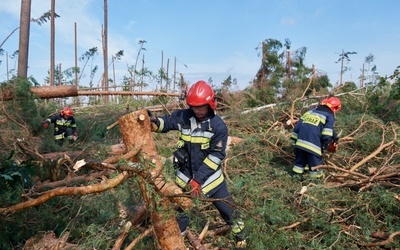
point(133, 76)
point(52, 42)
point(344, 57)
point(228, 83)
point(268, 78)
point(105, 51)
point(281, 70)
point(24, 34)
point(88, 55)
point(370, 72)
point(25, 19)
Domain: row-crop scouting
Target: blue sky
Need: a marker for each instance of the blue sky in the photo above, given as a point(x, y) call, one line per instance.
point(211, 38)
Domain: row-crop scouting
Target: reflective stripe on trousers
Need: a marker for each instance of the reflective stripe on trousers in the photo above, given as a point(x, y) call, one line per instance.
point(212, 182)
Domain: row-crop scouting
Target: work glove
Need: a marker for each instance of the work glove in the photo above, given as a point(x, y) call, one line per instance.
point(195, 188)
point(332, 147)
point(154, 122)
point(153, 118)
point(75, 136)
point(45, 125)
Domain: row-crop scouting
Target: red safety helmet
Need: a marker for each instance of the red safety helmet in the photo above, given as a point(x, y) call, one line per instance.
point(200, 94)
point(333, 103)
point(67, 111)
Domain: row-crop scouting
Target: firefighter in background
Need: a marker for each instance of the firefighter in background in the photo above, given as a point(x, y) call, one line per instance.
point(313, 134)
point(202, 142)
point(64, 126)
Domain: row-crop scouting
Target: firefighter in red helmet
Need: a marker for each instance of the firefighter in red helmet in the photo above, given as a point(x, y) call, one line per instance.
point(64, 126)
point(313, 134)
point(202, 142)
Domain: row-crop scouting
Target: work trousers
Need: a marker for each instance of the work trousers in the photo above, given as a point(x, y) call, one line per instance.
point(223, 202)
point(304, 158)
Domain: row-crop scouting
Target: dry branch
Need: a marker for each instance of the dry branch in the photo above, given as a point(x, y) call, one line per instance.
point(70, 181)
point(138, 239)
point(382, 243)
point(50, 241)
point(96, 188)
point(294, 224)
point(194, 241)
point(121, 238)
point(375, 153)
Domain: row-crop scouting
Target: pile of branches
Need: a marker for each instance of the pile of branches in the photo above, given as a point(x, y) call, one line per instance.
point(361, 171)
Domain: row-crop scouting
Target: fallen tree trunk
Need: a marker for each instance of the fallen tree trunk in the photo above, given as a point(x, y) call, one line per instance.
point(100, 93)
point(42, 92)
point(46, 92)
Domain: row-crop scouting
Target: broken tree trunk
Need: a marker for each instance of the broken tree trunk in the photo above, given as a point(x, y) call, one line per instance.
point(136, 133)
point(43, 92)
point(7, 92)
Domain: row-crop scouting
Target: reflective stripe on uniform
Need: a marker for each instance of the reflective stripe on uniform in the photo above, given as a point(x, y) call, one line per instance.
point(212, 162)
point(161, 126)
point(297, 169)
point(308, 145)
point(316, 174)
point(327, 131)
point(65, 123)
point(238, 226)
point(200, 137)
point(59, 137)
point(181, 179)
point(213, 181)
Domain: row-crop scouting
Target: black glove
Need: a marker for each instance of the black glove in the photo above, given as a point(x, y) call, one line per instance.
point(325, 144)
point(153, 118)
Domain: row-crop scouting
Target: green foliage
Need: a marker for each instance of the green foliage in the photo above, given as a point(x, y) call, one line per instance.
point(13, 179)
point(22, 107)
point(383, 100)
point(256, 170)
point(349, 86)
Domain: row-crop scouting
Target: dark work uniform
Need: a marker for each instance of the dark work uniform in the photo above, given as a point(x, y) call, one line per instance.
point(205, 143)
point(63, 128)
point(312, 133)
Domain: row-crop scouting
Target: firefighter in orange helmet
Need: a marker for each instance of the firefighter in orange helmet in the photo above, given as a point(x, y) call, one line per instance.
point(313, 134)
point(201, 149)
point(64, 126)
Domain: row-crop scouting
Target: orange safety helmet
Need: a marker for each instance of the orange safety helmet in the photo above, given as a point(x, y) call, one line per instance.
point(67, 111)
point(333, 103)
point(200, 94)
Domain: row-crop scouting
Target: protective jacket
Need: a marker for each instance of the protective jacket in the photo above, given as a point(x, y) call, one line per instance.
point(61, 126)
point(205, 143)
point(314, 131)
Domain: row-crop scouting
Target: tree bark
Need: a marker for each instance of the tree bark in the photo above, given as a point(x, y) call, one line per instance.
point(136, 133)
point(25, 22)
point(105, 50)
point(61, 91)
